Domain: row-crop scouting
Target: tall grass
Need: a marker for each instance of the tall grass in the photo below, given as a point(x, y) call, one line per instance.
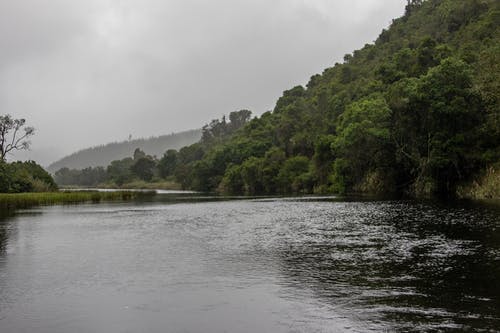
point(486, 186)
point(26, 200)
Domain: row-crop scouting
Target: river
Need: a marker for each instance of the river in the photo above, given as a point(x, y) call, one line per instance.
point(182, 263)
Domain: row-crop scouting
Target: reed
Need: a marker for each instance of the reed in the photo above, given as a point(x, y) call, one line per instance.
point(26, 200)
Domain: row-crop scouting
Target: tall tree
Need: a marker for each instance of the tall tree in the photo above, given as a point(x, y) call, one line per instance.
point(14, 135)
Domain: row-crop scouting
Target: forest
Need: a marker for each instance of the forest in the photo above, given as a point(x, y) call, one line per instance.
point(104, 154)
point(415, 113)
point(142, 169)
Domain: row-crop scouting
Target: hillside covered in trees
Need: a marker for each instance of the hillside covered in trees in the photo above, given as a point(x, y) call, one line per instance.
point(417, 113)
point(103, 155)
point(144, 170)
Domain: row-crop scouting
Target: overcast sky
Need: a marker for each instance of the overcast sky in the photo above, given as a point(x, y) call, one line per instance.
point(89, 72)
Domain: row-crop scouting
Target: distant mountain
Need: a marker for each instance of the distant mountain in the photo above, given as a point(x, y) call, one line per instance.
point(104, 154)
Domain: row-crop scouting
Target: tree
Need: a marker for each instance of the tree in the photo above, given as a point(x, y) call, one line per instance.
point(30, 177)
point(239, 118)
point(417, 113)
point(13, 135)
point(25, 177)
point(251, 172)
point(119, 171)
point(273, 160)
point(232, 182)
point(294, 177)
point(450, 113)
point(5, 177)
point(363, 141)
point(144, 168)
point(138, 154)
point(167, 164)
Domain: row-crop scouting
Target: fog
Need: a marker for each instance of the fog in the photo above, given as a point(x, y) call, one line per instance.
point(89, 72)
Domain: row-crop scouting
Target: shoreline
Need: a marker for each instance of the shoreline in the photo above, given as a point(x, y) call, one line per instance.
point(31, 199)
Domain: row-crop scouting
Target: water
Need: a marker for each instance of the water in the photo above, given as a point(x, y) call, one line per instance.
point(261, 265)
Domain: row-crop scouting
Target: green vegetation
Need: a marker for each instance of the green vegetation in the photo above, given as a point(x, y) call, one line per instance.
point(27, 184)
point(14, 135)
point(142, 171)
point(20, 176)
point(146, 171)
point(26, 200)
point(103, 155)
point(24, 177)
point(143, 185)
point(415, 113)
point(485, 186)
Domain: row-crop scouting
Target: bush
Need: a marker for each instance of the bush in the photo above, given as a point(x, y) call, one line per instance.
point(28, 176)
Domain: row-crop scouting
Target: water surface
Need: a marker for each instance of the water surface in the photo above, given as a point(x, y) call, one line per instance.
point(254, 265)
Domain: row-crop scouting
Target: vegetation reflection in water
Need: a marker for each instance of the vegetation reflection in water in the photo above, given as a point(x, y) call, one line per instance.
point(419, 266)
point(383, 265)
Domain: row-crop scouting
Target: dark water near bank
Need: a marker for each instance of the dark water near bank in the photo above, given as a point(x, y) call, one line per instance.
point(262, 265)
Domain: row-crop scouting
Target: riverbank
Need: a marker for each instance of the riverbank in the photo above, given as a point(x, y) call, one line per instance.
point(26, 200)
point(135, 185)
point(142, 185)
point(485, 186)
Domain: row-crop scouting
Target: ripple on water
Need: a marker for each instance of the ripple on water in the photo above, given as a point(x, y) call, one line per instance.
point(280, 265)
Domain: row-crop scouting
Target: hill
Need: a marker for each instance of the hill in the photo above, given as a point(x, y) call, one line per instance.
point(103, 155)
point(417, 113)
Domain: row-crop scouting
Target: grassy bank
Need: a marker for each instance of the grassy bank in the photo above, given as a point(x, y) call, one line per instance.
point(485, 186)
point(26, 200)
point(134, 185)
point(142, 185)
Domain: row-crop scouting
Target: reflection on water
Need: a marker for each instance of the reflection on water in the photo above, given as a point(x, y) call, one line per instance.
point(4, 228)
point(261, 265)
point(413, 266)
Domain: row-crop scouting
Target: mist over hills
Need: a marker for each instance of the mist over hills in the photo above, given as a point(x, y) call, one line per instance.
point(104, 154)
point(415, 113)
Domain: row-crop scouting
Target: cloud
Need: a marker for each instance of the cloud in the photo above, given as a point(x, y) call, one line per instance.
point(90, 72)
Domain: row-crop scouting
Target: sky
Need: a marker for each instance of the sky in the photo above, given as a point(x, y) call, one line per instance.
point(85, 73)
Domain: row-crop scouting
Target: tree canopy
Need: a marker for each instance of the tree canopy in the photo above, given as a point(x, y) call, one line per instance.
point(417, 112)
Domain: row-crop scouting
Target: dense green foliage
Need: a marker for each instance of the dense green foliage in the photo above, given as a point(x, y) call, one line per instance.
point(417, 112)
point(86, 177)
point(24, 177)
point(119, 172)
point(147, 168)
